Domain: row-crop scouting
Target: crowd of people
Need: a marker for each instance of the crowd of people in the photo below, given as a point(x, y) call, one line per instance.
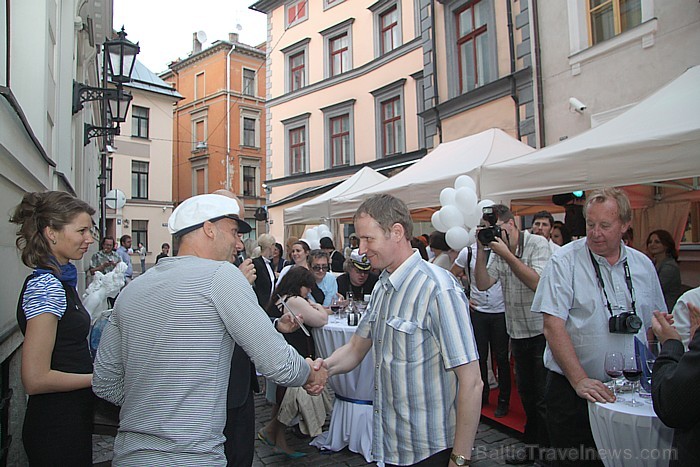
point(180, 352)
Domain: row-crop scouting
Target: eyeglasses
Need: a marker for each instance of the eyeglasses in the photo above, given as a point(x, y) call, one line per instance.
point(320, 268)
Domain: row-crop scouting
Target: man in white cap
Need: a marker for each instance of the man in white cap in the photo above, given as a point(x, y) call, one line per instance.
point(358, 277)
point(165, 355)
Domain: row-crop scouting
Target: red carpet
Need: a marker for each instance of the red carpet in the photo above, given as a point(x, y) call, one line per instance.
point(516, 415)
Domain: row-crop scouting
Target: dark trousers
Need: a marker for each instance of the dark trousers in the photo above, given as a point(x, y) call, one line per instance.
point(567, 420)
point(240, 434)
point(530, 376)
point(490, 330)
point(439, 459)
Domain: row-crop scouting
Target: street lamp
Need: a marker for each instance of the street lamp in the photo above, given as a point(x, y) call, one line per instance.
point(118, 60)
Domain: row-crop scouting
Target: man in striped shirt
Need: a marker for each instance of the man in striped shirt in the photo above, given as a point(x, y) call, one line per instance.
point(165, 355)
point(427, 396)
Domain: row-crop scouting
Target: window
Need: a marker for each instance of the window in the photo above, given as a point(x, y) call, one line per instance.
point(331, 3)
point(199, 86)
point(472, 46)
point(249, 185)
point(339, 134)
point(296, 144)
point(608, 18)
point(296, 72)
point(337, 45)
point(389, 111)
point(139, 179)
point(297, 67)
point(108, 173)
point(199, 140)
point(250, 128)
point(139, 233)
point(340, 55)
point(200, 182)
point(296, 12)
point(139, 122)
point(387, 26)
point(249, 82)
point(297, 150)
point(253, 232)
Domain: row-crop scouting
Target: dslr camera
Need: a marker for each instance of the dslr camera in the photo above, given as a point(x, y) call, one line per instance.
point(487, 235)
point(625, 323)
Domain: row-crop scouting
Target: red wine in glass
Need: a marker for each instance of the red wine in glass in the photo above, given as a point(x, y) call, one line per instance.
point(614, 374)
point(632, 375)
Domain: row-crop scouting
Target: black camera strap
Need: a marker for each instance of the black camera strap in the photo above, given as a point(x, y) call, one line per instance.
point(628, 281)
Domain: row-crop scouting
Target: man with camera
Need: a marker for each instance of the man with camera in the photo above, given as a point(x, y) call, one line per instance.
point(595, 295)
point(517, 261)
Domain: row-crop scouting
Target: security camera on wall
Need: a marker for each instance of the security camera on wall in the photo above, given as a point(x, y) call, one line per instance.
point(577, 105)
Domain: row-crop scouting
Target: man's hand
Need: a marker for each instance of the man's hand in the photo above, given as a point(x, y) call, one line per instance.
point(663, 329)
point(318, 377)
point(287, 324)
point(594, 391)
point(248, 270)
point(499, 247)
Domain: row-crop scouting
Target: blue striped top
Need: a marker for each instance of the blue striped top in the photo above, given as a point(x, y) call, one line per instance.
point(44, 294)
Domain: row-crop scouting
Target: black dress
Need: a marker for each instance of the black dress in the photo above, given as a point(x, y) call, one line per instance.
point(58, 426)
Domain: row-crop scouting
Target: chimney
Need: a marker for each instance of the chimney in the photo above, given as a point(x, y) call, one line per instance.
point(196, 45)
point(233, 37)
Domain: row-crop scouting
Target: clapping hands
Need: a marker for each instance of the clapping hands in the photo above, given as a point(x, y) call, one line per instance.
point(318, 377)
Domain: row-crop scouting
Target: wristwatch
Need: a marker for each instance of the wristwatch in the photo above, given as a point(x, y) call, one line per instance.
point(459, 459)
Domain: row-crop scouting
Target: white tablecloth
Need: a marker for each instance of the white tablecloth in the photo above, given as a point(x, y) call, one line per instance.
point(351, 422)
point(630, 435)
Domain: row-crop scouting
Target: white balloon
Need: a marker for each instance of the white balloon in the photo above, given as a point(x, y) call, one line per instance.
point(484, 203)
point(437, 223)
point(311, 235)
point(451, 216)
point(457, 238)
point(325, 233)
point(447, 196)
point(466, 199)
point(472, 237)
point(465, 181)
point(323, 228)
point(472, 219)
point(314, 245)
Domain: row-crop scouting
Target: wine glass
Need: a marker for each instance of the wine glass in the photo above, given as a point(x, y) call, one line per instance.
point(336, 305)
point(614, 364)
point(652, 351)
point(632, 373)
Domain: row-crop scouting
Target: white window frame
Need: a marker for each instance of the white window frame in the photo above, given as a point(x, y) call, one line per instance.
point(250, 114)
point(331, 3)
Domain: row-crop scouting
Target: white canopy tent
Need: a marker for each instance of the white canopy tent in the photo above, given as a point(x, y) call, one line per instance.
point(655, 140)
point(318, 209)
point(420, 184)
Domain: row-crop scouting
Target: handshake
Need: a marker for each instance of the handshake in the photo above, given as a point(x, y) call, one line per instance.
point(318, 377)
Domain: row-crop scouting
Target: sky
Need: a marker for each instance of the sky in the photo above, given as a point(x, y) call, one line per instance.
point(164, 28)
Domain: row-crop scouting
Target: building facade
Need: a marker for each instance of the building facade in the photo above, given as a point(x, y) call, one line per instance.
point(44, 47)
point(141, 165)
point(218, 127)
point(379, 83)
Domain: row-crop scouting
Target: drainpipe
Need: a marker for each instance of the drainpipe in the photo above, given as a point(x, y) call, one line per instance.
point(511, 48)
point(228, 116)
point(538, 72)
point(436, 97)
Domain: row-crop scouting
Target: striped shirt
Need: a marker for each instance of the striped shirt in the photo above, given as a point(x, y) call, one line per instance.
point(520, 322)
point(165, 358)
point(419, 324)
point(44, 294)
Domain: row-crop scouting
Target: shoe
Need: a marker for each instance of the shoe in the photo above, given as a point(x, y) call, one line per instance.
point(294, 455)
point(520, 456)
point(501, 410)
point(264, 439)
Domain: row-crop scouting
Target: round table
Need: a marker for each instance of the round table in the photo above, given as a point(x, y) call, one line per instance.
point(351, 419)
point(627, 435)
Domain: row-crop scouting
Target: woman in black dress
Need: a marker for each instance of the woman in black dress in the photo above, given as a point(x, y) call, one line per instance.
point(54, 228)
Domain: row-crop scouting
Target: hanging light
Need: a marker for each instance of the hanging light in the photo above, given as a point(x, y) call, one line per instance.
point(118, 105)
point(121, 57)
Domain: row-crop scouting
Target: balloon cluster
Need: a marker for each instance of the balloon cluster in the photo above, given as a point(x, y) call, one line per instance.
point(314, 235)
point(460, 213)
